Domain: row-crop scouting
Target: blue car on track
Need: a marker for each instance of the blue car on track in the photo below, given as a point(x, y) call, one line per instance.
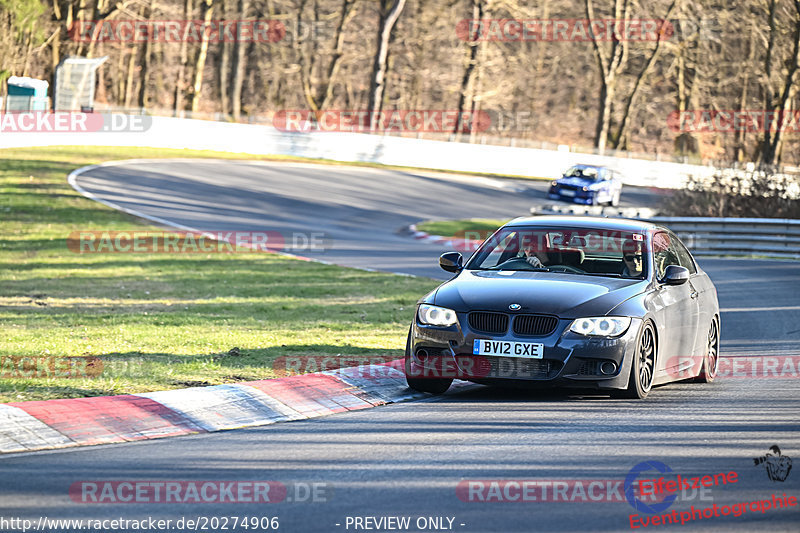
point(587, 184)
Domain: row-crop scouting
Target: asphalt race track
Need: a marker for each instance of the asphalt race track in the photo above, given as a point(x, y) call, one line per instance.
point(408, 459)
point(360, 210)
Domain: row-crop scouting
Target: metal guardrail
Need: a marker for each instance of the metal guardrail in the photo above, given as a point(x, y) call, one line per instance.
point(744, 237)
point(739, 237)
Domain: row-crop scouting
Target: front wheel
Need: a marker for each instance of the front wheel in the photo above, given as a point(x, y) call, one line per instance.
point(643, 365)
point(711, 360)
point(423, 384)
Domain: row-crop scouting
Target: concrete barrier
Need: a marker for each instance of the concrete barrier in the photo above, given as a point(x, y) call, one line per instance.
point(179, 133)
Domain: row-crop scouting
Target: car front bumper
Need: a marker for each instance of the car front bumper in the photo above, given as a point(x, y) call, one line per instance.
point(569, 359)
point(580, 197)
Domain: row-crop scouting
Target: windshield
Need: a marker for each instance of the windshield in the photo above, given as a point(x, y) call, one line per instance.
point(586, 252)
point(582, 172)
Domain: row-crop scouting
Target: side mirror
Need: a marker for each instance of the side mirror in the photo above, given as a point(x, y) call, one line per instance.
point(452, 262)
point(676, 275)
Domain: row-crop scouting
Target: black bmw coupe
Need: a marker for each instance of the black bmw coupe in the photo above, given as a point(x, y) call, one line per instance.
point(595, 303)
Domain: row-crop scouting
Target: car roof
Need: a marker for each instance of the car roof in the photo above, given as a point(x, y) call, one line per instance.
point(582, 165)
point(582, 222)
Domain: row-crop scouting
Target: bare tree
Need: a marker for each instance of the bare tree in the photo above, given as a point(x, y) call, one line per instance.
point(240, 61)
point(620, 138)
point(202, 54)
point(779, 102)
point(389, 13)
point(321, 96)
point(546, 92)
point(611, 64)
point(145, 58)
point(473, 43)
point(180, 78)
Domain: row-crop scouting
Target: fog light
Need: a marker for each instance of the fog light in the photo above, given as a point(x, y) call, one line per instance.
point(422, 355)
point(608, 368)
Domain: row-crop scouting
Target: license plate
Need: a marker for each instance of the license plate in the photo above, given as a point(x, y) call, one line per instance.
point(508, 348)
point(567, 192)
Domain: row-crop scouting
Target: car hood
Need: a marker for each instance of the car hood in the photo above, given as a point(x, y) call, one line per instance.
point(577, 182)
point(564, 295)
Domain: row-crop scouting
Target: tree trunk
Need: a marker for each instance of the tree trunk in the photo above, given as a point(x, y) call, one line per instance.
point(200, 64)
point(325, 92)
point(320, 97)
point(63, 16)
point(472, 63)
point(769, 96)
point(146, 51)
point(620, 138)
point(224, 68)
point(239, 66)
point(610, 66)
point(180, 79)
point(387, 20)
point(781, 104)
point(608, 88)
point(119, 79)
point(306, 61)
point(129, 80)
point(741, 135)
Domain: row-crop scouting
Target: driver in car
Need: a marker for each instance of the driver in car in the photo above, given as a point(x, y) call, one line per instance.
point(632, 258)
point(534, 251)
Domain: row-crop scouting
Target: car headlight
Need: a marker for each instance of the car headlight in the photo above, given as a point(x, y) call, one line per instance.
point(603, 326)
point(432, 315)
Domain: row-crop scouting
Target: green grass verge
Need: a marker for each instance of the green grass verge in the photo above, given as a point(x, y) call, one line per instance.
point(162, 321)
point(474, 228)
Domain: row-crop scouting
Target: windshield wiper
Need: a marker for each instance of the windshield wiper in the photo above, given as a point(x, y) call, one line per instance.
point(610, 274)
point(535, 269)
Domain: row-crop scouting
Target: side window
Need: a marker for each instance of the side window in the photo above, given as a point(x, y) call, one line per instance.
point(664, 253)
point(684, 256)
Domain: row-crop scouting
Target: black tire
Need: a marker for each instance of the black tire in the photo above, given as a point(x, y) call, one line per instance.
point(642, 366)
point(431, 385)
point(708, 371)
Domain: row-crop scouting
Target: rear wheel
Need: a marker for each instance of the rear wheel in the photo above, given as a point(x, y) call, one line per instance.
point(711, 360)
point(643, 365)
point(423, 384)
